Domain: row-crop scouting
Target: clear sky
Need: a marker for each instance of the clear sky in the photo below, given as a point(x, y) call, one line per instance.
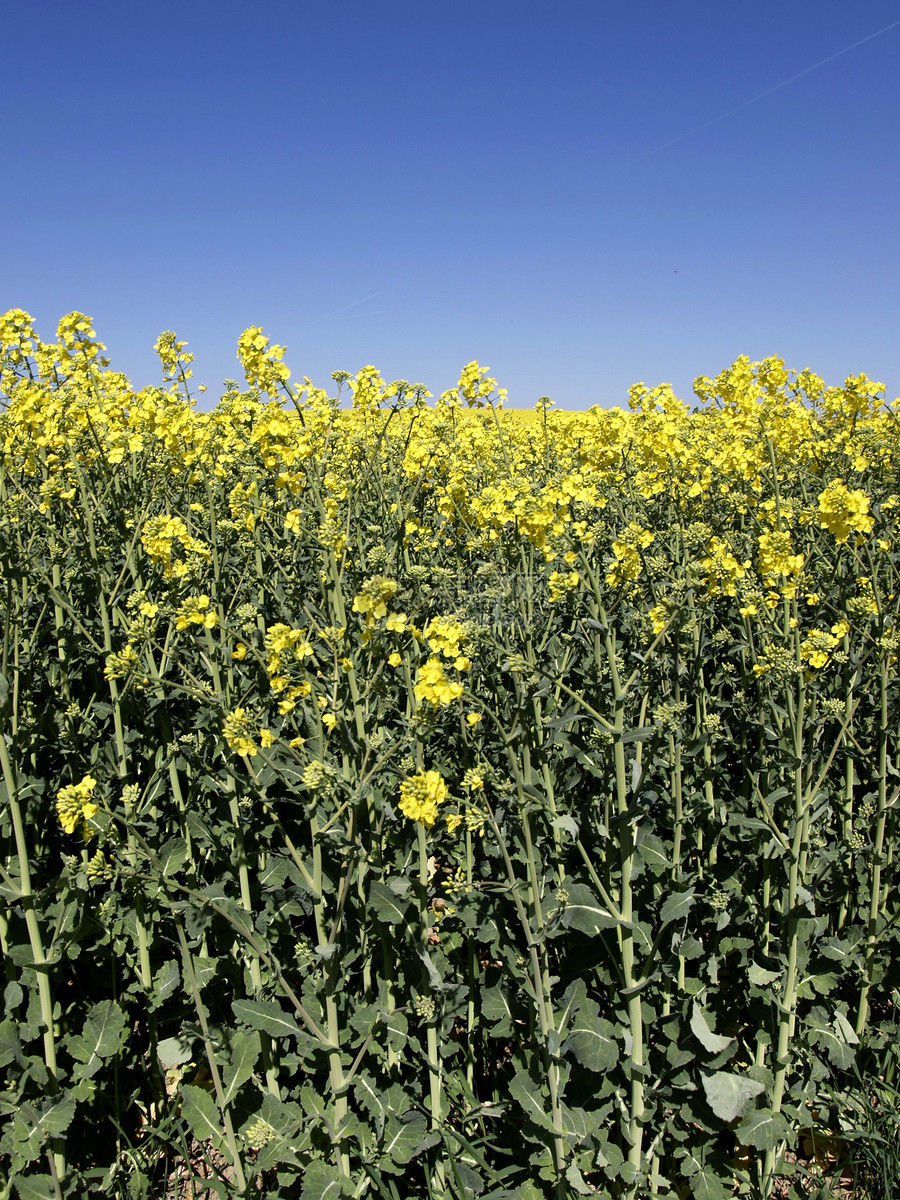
point(579, 195)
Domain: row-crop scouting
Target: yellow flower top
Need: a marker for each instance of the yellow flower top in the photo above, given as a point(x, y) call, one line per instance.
point(421, 795)
point(74, 804)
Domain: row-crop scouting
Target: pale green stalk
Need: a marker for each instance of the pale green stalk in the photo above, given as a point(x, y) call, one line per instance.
point(542, 1000)
point(626, 906)
point(878, 855)
point(435, 1067)
point(230, 1139)
point(335, 1063)
point(787, 1014)
point(41, 965)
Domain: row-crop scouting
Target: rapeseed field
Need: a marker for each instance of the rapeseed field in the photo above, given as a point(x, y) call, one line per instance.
point(414, 797)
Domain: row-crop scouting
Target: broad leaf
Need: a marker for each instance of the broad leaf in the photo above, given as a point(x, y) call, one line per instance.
point(527, 1094)
point(173, 856)
point(713, 1042)
point(265, 1015)
point(728, 1095)
point(322, 1181)
point(584, 911)
point(200, 1112)
point(245, 1050)
point(760, 977)
point(403, 1137)
point(34, 1187)
point(762, 1129)
point(591, 1039)
point(387, 906)
point(103, 1036)
point(677, 905)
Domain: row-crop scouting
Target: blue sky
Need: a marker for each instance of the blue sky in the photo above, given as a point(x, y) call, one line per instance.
point(578, 195)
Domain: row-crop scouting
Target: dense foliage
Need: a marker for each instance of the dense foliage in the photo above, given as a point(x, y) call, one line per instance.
point(412, 799)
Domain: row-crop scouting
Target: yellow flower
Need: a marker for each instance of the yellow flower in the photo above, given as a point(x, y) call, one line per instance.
point(842, 511)
point(433, 686)
point(373, 600)
point(472, 719)
point(196, 611)
point(395, 659)
point(626, 549)
point(239, 733)
point(74, 804)
point(421, 795)
point(239, 652)
point(659, 618)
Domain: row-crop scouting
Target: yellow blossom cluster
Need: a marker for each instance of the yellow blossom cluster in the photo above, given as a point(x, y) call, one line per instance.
point(262, 363)
point(374, 597)
point(433, 686)
point(75, 804)
point(159, 535)
point(196, 610)
point(242, 733)
point(626, 548)
point(843, 511)
point(421, 795)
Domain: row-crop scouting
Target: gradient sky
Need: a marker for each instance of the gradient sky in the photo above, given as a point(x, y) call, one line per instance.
point(578, 195)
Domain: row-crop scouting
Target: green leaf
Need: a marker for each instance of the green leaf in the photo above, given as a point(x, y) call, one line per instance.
point(173, 1052)
point(566, 823)
point(200, 1112)
point(527, 1094)
point(34, 1187)
point(584, 911)
point(760, 977)
point(386, 905)
point(322, 1181)
point(495, 1008)
point(576, 1181)
point(676, 906)
point(728, 1095)
point(837, 1036)
point(640, 734)
point(165, 981)
point(651, 849)
point(265, 1015)
point(369, 1096)
point(245, 1050)
point(55, 1116)
point(590, 1039)
point(204, 969)
point(762, 1129)
point(404, 1137)
point(713, 1042)
point(103, 1036)
point(173, 856)
point(706, 1186)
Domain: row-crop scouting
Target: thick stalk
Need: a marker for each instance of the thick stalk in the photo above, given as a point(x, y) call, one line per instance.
point(230, 1139)
point(542, 1003)
point(635, 1127)
point(787, 1016)
point(41, 966)
point(875, 891)
point(335, 1064)
point(435, 1069)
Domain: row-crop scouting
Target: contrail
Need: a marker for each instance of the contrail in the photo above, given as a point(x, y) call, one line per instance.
point(347, 307)
point(777, 87)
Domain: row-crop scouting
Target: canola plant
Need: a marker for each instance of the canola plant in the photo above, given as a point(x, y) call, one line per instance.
point(413, 796)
